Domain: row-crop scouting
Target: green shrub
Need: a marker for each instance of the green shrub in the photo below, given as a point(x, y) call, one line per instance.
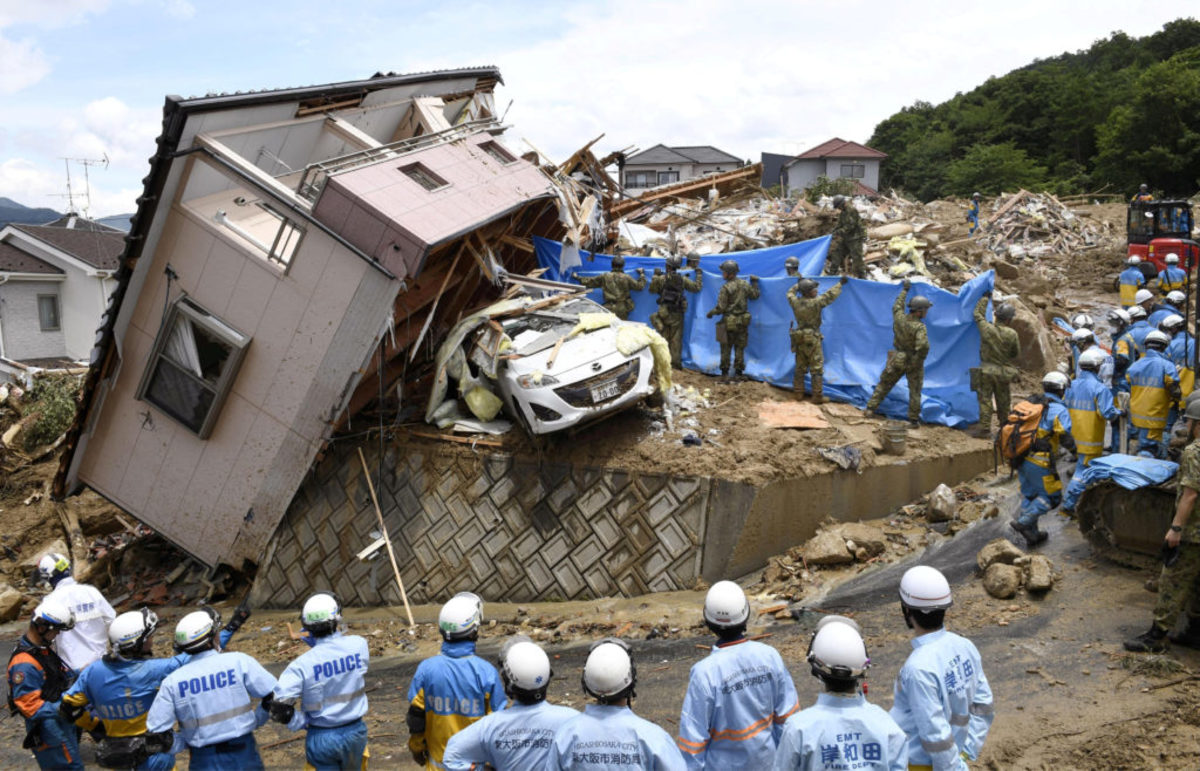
point(823, 185)
point(52, 400)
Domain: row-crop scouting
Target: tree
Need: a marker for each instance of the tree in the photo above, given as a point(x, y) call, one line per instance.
point(991, 169)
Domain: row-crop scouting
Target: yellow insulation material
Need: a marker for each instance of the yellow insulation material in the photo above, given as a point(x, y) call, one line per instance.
point(632, 338)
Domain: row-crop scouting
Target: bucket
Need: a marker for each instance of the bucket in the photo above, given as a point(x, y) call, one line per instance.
point(895, 438)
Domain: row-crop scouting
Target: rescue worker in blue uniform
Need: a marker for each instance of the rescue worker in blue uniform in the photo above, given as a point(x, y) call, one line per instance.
point(739, 696)
point(1084, 340)
point(522, 735)
point(1143, 193)
point(37, 678)
point(942, 699)
point(1090, 404)
point(454, 689)
point(608, 735)
point(842, 730)
point(211, 698)
point(1182, 353)
point(327, 685)
point(1172, 278)
point(113, 695)
point(86, 641)
point(1130, 281)
point(1041, 489)
point(1172, 305)
point(1153, 388)
point(1119, 322)
point(973, 214)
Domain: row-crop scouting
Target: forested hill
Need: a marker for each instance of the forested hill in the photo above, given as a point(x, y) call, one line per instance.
point(1123, 112)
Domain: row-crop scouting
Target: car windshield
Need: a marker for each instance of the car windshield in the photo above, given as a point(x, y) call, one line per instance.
point(541, 329)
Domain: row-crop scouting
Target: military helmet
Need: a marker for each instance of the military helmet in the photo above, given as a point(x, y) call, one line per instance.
point(1005, 313)
point(1192, 411)
point(730, 266)
point(618, 262)
point(919, 303)
point(674, 262)
point(792, 262)
point(806, 285)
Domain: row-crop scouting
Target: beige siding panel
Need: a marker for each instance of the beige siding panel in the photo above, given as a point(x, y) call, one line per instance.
point(304, 274)
point(146, 455)
point(148, 310)
point(215, 284)
point(287, 471)
point(248, 302)
point(168, 500)
point(271, 340)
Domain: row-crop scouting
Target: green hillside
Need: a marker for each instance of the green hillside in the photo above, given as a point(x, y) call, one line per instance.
point(1123, 112)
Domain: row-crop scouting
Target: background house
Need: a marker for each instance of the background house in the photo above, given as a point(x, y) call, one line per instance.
point(55, 280)
point(834, 159)
point(662, 165)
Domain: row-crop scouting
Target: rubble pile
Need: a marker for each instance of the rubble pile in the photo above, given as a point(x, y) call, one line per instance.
point(1005, 570)
point(1029, 225)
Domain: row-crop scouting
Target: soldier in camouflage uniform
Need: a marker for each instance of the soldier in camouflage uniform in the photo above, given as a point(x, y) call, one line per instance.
point(1179, 582)
point(672, 302)
point(848, 235)
point(910, 344)
point(617, 285)
point(998, 349)
point(806, 337)
point(791, 266)
point(733, 303)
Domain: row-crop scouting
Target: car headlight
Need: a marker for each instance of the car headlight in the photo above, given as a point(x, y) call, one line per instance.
point(536, 380)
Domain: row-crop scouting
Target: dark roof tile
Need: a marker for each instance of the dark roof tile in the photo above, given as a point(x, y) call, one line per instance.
point(13, 260)
point(99, 248)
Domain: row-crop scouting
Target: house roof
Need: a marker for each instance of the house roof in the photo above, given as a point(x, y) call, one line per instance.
point(684, 154)
point(99, 247)
point(840, 148)
point(14, 260)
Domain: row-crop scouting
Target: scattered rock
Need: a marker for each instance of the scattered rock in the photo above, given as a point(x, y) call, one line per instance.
point(1002, 581)
point(942, 504)
point(866, 538)
point(10, 602)
point(1039, 574)
point(1038, 351)
point(998, 550)
point(1005, 270)
point(827, 547)
point(973, 510)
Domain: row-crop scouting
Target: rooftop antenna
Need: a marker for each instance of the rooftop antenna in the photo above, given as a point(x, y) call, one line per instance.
point(71, 195)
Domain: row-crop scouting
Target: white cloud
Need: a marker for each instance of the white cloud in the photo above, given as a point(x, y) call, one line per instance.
point(31, 184)
point(44, 13)
point(179, 9)
point(22, 64)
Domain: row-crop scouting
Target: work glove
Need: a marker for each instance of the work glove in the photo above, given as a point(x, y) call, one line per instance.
point(281, 713)
point(240, 614)
point(988, 293)
point(906, 284)
point(420, 758)
point(658, 271)
point(710, 314)
point(70, 712)
point(693, 261)
point(641, 273)
point(753, 279)
point(98, 733)
point(843, 279)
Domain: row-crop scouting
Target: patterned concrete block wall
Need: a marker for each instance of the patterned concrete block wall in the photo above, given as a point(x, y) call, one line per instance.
point(503, 527)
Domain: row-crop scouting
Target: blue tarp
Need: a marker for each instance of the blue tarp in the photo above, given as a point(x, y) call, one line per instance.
point(857, 327)
point(1128, 471)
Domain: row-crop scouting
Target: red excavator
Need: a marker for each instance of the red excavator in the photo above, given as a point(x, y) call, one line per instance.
point(1157, 228)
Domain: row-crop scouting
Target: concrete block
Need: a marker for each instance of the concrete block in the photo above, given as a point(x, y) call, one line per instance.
point(442, 531)
point(593, 501)
point(469, 535)
point(501, 491)
point(673, 539)
point(477, 488)
point(539, 575)
point(562, 496)
point(653, 563)
point(661, 507)
point(555, 549)
point(508, 569)
point(587, 553)
point(569, 579)
point(459, 509)
point(526, 545)
point(1039, 574)
point(495, 541)
point(605, 529)
point(598, 580)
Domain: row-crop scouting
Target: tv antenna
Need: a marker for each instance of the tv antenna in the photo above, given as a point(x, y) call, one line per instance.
point(86, 194)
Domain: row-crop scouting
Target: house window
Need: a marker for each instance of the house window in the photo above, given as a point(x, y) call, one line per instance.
point(420, 173)
point(48, 312)
point(192, 366)
point(287, 237)
point(854, 170)
point(640, 179)
point(667, 177)
point(495, 150)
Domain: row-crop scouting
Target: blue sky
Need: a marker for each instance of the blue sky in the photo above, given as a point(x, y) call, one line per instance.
point(87, 78)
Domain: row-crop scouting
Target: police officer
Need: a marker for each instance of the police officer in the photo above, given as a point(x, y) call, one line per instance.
point(324, 691)
point(973, 213)
point(1084, 340)
point(942, 700)
point(616, 285)
point(1172, 277)
point(88, 640)
point(1041, 489)
point(910, 344)
point(453, 689)
point(1181, 351)
point(1179, 581)
point(672, 302)
point(1090, 404)
point(806, 337)
point(37, 678)
point(843, 729)
point(739, 696)
point(733, 304)
point(848, 235)
point(1172, 305)
point(608, 735)
point(1153, 388)
point(1130, 281)
point(522, 735)
point(113, 695)
point(998, 349)
point(211, 697)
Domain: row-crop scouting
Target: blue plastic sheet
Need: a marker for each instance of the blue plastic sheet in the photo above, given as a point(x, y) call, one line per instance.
point(857, 327)
point(1129, 471)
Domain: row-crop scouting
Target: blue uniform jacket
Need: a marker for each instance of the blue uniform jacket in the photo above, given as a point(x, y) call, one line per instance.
point(211, 696)
point(518, 737)
point(454, 689)
point(1090, 404)
point(1171, 278)
point(841, 732)
point(942, 701)
point(737, 701)
point(1150, 379)
point(608, 738)
point(1130, 280)
point(328, 680)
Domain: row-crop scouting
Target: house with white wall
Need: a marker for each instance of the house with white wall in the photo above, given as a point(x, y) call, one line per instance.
point(55, 280)
point(835, 159)
point(662, 165)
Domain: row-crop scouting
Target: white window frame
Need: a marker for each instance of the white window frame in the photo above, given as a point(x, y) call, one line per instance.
point(857, 170)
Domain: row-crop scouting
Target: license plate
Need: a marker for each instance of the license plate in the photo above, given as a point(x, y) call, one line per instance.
point(605, 391)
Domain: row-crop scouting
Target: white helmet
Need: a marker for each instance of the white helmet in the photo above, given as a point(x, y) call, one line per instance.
point(525, 667)
point(1082, 336)
point(1134, 259)
point(1172, 323)
point(1172, 259)
point(129, 630)
point(53, 567)
point(1119, 316)
point(1136, 313)
point(461, 616)
point(1092, 359)
point(1055, 382)
point(195, 631)
point(726, 606)
point(1176, 298)
point(925, 588)
point(53, 614)
point(321, 614)
point(1142, 296)
point(1157, 340)
point(609, 673)
point(1082, 320)
point(837, 650)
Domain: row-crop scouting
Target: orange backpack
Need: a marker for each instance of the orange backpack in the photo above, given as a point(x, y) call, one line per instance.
point(1017, 435)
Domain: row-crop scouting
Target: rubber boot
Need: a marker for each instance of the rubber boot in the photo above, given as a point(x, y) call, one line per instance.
point(818, 386)
point(724, 373)
point(1153, 641)
point(1030, 533)
point(1190, 637)
point(737, 375)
